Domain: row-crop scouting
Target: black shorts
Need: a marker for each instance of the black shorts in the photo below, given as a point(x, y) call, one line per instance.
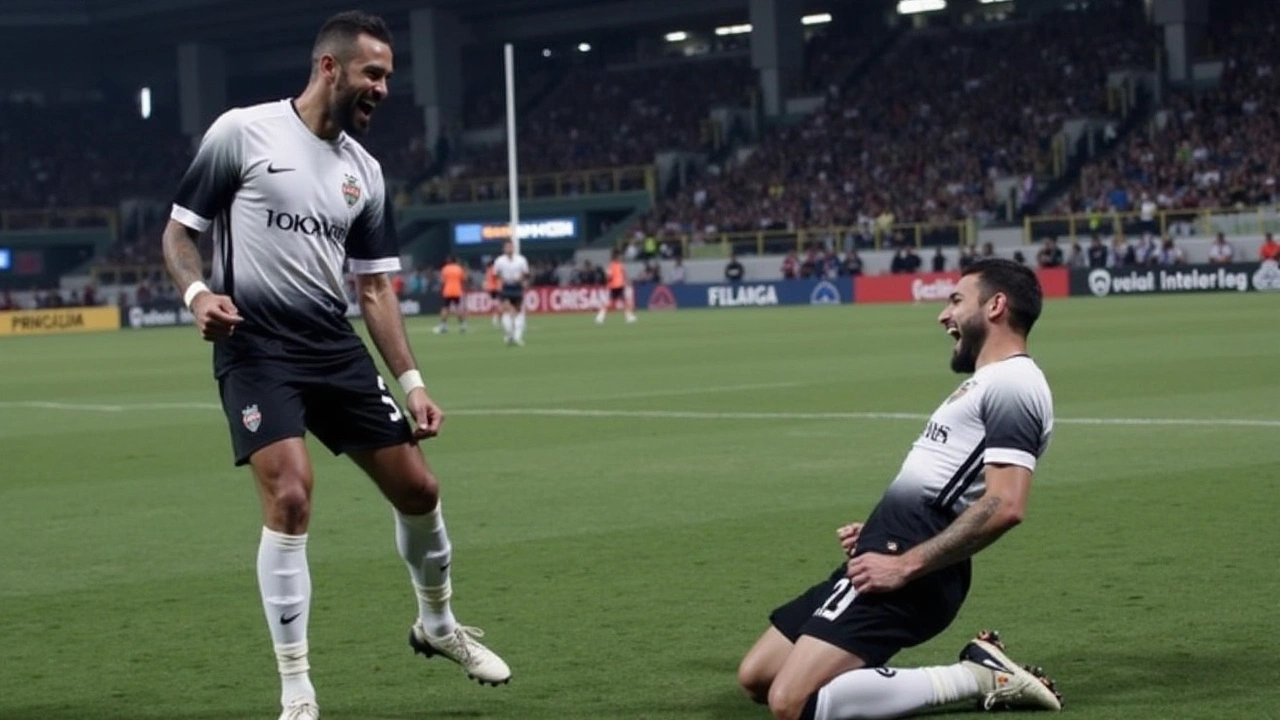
point(513, 293)
point(495, 295)
point(616, 294)
point(345, 404)
point(452, 303)
point(875, 626)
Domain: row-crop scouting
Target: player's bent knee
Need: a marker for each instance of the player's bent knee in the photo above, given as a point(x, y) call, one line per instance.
point(756, 689)
point(419, 496)
point(754, 681)
point(785, 704)
point(288, 504)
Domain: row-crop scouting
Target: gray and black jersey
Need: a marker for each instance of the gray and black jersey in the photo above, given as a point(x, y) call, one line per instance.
point(1002, 414)
point(289, 212)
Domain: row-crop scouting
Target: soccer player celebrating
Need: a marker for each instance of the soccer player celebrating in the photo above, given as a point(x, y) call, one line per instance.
point(619, 290)
point(512, 270)
point(963, 484)
point(454, 279)
point(290, 196)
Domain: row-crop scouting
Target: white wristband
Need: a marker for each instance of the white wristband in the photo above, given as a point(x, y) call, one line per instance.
point(193, 290)
point(411, 380)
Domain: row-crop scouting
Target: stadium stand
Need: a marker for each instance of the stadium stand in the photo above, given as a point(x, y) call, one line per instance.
point(1206, 148)
point(85, 154)
point(922, 138)
point(924, 134)
point(610, 118)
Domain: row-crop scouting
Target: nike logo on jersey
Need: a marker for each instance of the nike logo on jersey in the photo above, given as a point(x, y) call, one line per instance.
point(272, 169)
point(286, 619)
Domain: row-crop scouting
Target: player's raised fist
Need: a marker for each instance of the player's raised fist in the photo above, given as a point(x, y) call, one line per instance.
point(216, 315)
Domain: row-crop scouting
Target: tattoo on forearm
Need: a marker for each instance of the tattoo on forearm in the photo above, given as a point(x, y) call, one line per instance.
point(964, 537)
point(182, 258)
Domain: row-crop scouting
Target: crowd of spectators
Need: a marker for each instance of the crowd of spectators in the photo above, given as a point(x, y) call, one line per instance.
point(922, 137)
point(609, 118)
point(1204, 149)
point(485, 100)
point(83, 155)
point(613, 118)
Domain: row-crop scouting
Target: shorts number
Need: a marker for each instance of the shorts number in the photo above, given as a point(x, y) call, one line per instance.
point(396, 415)
point(840, 600)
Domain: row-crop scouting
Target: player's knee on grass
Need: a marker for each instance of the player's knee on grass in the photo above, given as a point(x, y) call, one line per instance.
point(754, 679)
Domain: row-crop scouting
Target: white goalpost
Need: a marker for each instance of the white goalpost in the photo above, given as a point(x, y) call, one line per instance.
point(513, 173)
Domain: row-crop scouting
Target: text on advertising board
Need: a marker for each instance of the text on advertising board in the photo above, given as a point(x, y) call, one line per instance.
point(60, 320)
point(1233, 277)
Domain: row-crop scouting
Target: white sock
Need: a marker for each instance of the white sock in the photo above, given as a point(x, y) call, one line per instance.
point(424, 545)
point(882, 693)
point(507, 323)
point(600, 315)
point(520, 325)
point(285, 583)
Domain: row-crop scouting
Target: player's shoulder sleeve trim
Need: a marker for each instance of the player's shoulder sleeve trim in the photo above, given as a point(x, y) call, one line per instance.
point(1009, 456)
point(211, 180)
point(190, 219)
point(1016, 414)
point(374, 267)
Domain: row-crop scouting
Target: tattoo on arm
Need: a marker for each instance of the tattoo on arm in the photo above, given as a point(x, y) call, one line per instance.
point(181, 256)
point(964, 537)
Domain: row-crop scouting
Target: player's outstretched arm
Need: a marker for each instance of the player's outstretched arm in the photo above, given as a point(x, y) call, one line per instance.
point(381, 310)
point(999, 509)
point(216, 315)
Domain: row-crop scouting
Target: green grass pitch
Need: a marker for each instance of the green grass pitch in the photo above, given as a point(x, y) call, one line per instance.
point(623, 557)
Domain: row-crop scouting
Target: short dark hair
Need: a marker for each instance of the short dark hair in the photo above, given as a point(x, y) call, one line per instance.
point(339, 33)
point(1018, 283)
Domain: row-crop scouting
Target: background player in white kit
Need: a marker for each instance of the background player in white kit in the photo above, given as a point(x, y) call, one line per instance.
point(964, 483)
point(512, 271)
point(291, 196)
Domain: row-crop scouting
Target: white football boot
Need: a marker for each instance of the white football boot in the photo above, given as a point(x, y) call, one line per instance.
point(463, 647)
point(1006, 685)
point(301, 710)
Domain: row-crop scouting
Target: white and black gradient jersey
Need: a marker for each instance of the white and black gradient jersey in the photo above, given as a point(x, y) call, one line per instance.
point(1003, 414)
point(288, 211)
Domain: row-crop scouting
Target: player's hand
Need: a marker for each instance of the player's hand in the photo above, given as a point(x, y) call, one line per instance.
point(216, 316)
point(427, 416)
point(848, 537)
point(874, 572)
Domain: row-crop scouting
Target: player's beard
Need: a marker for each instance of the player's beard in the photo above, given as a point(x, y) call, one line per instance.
point(343, 108)
point(973, 335)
